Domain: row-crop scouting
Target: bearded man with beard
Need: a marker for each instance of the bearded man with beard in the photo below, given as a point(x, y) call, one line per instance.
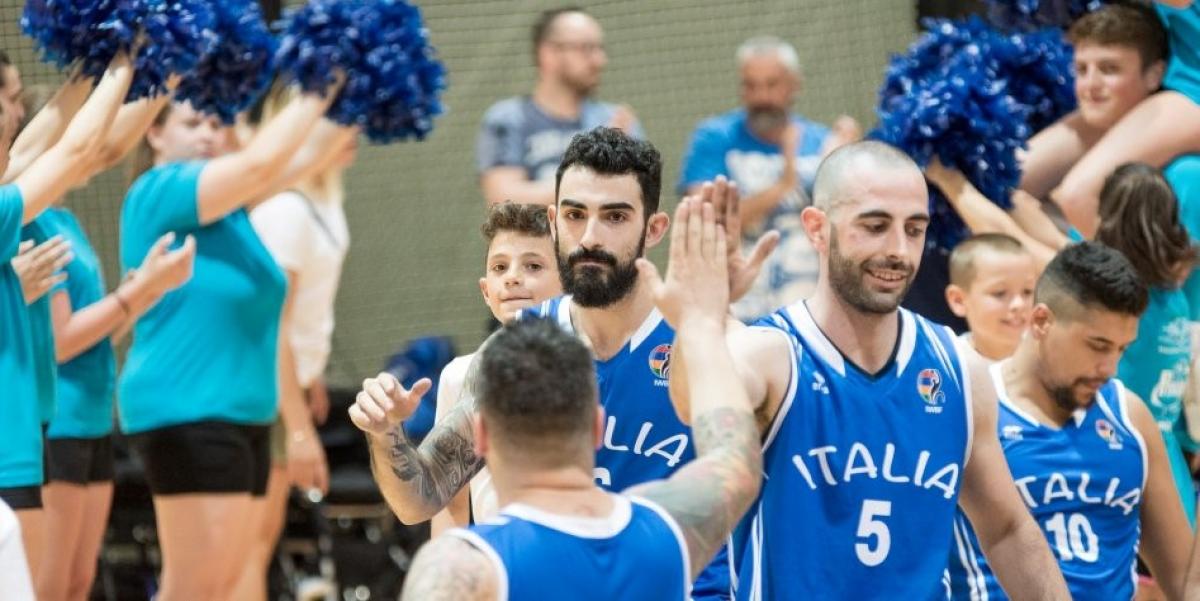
point(522, 138)
point(606, 215)
point(877, 424)
point(772, 153)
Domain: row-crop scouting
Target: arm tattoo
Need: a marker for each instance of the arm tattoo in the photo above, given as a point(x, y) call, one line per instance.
point(449, 569)
point(709, 496)
point(431, 474)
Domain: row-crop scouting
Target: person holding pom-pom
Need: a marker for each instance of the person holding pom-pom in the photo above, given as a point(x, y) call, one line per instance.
point(63, 165)
point(199, 389)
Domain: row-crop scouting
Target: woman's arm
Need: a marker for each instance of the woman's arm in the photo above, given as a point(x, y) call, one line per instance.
point(66, 163)
point(47, 125)
point(234, 180)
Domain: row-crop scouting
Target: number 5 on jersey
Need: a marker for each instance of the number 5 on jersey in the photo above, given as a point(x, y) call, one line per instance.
point(871, 526)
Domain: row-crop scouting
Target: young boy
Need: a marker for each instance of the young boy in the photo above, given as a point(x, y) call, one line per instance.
point(521, 271)
point(991, 286)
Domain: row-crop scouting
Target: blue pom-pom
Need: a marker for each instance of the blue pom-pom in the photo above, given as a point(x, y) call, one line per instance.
point(393, 77)
point(972, 96)
point(1031, 15)
point(239, 69)
point(176, 35)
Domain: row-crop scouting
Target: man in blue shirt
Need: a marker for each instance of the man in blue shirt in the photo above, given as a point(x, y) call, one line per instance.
point(771, 153)
point(522, 139)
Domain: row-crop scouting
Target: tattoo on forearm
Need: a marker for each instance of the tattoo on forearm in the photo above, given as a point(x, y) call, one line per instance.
point(708, 496)
point(445, 462)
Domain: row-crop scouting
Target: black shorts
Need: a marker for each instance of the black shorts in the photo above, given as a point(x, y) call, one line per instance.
point(22, 497)
point(79, 460)
point(205, 457)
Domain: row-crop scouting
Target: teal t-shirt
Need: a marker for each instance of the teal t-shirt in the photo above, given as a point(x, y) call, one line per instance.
point(1183, 69)
point(86, 382)
point(20, 430)
point(45, 361)
point(207, 350)
point(1156, 366)
point(1184, 176)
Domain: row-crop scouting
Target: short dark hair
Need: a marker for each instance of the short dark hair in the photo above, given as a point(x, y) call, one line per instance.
point(1090, 275)
point(516, 217)
point(1139, 216)
point(963, 260)
point(1130, 24)
point(537, 389)
point(545, 23)
point(610, 151)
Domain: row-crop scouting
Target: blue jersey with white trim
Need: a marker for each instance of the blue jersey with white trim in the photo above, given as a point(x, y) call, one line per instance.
point(644, 439)
point(1083, 483)
point(636, 553)
point(862, 471)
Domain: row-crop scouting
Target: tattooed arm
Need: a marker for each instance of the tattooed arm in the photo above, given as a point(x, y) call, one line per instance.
point(450, 569)
point(708, 496)
point(416, 481)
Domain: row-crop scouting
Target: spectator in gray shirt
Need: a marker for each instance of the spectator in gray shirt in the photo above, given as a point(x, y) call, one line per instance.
point(523, 138)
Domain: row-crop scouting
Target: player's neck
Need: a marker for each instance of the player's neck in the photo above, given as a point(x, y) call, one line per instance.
point(866, 339)
point(567, 491)
point(557, 100)
point(1024, 388)
point(607, 330)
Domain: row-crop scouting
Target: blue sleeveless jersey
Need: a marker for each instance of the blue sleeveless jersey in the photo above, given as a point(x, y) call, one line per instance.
point(643, 437)
point(862, 471)
point(637, 553)
point(1083, 484)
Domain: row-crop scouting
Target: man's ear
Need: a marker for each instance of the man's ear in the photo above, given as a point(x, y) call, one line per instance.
point(816, 227)
point(656, 228)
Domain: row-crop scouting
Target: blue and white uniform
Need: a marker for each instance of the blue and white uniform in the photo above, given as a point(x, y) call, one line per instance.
point(637, 553)
point(1083, 483)
point(643, 437)
point(862, 471)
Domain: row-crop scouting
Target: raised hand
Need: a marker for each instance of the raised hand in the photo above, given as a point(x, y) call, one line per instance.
point(165, 270)
point(743, 269)
point(383, 403)
point(949, 180)
point(38, 266)
point(696, 286)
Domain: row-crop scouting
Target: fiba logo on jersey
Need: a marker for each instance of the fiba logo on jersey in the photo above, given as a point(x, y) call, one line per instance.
point(1109, 434)
point(660, 361)
point(929, 386)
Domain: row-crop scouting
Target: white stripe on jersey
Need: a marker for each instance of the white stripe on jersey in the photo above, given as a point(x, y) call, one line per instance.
point(682, 542)
point(966, 556)
point(908, 341)
point(482, 545)
point(1123, 403)
point(968, 394)
point(790, 394)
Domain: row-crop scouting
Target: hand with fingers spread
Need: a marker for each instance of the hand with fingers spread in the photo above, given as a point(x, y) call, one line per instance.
point(38, 266)
point(383, 403)
point(743, 269)
point(164, 270)
point(696, 287)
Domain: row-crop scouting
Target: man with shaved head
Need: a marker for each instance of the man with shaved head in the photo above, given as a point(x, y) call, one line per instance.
point(877, 423)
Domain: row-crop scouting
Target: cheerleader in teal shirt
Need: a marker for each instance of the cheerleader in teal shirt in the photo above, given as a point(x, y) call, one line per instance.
point(1140, 217)
point(54, 157)
point(198, 388)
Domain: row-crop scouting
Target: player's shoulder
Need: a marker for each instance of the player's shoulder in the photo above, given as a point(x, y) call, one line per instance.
point(452, 567)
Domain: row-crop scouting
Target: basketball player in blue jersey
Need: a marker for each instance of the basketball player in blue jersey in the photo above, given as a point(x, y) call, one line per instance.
point(873, 419)
point(606, 215)
point(1083, 450)
point(559, 534)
